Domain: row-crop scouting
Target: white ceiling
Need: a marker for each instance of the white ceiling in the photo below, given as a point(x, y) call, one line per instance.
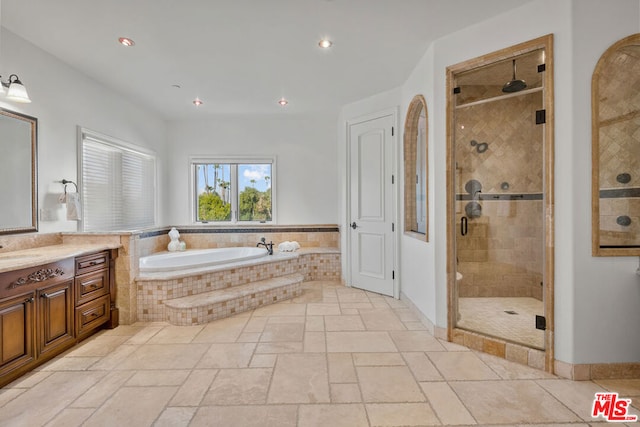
point(242, 56)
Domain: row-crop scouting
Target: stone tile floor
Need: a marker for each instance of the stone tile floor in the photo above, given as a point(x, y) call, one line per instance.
point(335, 356)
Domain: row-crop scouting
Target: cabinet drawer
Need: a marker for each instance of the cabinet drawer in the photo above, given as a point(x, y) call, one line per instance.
point(91, 285)
point(92, 314)
point(93, 262)
point(25, 280)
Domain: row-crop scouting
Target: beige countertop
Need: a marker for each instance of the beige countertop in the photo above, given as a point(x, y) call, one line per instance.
point(16, 260)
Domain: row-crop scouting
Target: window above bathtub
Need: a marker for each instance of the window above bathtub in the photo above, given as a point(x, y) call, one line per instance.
point(232, 190)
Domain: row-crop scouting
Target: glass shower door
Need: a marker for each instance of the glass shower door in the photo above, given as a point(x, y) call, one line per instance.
point(499, 146)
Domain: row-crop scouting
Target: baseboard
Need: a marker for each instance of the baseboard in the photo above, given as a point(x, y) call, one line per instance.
point(597, 371)
point(425, 321)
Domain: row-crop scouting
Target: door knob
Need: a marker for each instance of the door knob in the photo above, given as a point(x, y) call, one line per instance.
point(354, 225)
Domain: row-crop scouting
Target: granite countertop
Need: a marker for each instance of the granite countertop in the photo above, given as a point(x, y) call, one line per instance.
point(16, 260)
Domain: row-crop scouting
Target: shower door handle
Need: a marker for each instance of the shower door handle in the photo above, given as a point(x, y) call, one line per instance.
point(464, 225)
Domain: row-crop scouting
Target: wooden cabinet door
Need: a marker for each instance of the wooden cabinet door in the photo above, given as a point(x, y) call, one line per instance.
point(55, 321)
point(16, 332)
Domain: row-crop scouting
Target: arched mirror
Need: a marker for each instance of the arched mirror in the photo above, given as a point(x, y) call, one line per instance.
point(416, 208)
point(615, 102)
point(18, 172)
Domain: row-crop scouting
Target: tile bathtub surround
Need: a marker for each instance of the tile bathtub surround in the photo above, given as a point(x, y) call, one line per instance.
point(198, 237)
point(295, 363)
point(152, 292)
point(199, 309)
point(309, 236)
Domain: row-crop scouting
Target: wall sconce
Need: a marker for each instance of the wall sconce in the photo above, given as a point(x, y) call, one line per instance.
point(15, 90)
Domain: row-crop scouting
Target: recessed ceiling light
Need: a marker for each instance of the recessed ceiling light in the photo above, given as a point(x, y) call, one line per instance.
point(197, 102)
point(126, 41)
point(325, 43)
point(283, 102)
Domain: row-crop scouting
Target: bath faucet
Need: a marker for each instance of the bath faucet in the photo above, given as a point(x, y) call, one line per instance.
point(268, 246)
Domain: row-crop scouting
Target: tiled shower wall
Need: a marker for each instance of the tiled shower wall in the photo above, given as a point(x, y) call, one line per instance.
point(502, 254)
point(620, 151)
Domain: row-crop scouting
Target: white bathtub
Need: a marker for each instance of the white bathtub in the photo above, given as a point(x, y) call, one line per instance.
point(196, 258)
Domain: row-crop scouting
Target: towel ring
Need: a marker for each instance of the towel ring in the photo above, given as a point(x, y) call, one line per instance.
point(65, 182)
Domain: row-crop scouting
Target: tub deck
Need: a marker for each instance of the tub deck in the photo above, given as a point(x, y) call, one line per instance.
point(159, 295)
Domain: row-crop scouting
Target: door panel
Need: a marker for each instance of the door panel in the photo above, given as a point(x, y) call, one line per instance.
point(371, 248)
point(371, 176)
point(56, 325)
point(371, 205)
point(16, 332)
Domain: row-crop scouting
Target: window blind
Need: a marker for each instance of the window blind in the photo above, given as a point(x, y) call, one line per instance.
point(118, 186)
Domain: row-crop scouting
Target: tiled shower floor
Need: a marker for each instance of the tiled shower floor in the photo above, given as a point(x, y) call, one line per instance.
point(333, 357)
point(489, 316)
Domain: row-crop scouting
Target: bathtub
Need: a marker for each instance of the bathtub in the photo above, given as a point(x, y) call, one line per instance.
point(197, 258)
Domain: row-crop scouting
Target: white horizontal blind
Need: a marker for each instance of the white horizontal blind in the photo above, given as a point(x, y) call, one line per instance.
point(118, 186)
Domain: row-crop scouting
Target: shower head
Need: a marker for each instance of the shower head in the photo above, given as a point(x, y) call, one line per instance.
point(514, 85)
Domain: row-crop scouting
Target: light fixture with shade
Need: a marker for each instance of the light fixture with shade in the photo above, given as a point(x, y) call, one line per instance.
point(15, 90)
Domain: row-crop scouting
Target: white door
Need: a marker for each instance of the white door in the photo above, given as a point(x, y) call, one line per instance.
point(371, 205)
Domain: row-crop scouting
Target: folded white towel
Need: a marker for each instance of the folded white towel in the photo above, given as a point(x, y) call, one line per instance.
point(288, 246)
point(74, 208)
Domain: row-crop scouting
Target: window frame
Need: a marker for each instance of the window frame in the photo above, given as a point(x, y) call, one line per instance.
point(118, 144)
point(235, 190)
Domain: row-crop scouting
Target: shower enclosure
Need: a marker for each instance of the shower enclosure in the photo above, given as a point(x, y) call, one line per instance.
point(498, 181)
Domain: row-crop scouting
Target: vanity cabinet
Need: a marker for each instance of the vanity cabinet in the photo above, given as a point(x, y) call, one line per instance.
point(92, 292)
point(47, 309)
point(36, 316)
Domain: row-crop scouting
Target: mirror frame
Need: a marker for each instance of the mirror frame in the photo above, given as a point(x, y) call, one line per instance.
point(416, 106)
point(604, 60)
point(33, 122)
